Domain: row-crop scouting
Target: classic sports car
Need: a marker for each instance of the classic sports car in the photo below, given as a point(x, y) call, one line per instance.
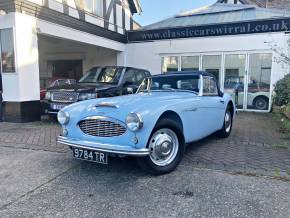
point(167, 112)
point(257, 97)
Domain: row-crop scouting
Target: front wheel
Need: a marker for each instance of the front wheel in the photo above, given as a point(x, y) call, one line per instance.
point(167, 148)
point(228, 124)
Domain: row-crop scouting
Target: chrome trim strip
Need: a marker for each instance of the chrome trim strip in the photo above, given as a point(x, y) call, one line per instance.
point(51, 112)
point(105, 118)
point(134, 152)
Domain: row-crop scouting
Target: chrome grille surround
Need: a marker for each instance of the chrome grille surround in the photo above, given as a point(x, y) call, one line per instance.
point(65, 97)
point(100, 126)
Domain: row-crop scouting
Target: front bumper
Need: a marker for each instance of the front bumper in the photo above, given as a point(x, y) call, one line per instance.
point(113, 149)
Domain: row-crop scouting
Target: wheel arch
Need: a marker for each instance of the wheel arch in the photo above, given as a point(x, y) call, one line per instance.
point(172, 115)
point(260, 96)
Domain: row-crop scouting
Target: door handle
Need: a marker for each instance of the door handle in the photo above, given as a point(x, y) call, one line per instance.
point(222, 101)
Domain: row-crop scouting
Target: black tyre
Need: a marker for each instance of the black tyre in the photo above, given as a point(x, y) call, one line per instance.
point(261, 103)
point(228, 124)
point(167, 148)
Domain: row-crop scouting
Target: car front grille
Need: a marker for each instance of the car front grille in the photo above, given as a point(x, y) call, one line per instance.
point(102, 127)
point(67, 97)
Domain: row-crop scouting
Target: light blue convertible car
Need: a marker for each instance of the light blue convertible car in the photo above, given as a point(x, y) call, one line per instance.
point(167, 112)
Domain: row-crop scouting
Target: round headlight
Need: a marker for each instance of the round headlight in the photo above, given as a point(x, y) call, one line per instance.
point(134, 121)
point(47, 95)
point(63, 117)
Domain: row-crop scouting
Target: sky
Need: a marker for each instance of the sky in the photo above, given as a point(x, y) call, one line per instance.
point(157, 10)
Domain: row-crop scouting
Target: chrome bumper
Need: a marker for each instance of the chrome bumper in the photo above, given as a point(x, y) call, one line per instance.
point(103, 147)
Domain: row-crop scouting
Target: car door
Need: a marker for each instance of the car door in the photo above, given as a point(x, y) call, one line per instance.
point(213, 105)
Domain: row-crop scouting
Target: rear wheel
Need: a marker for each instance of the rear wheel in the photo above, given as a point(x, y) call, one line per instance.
point(166, 146)
point(261, 103)
point(228, 124)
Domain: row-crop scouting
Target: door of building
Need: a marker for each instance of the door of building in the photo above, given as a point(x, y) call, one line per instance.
point(247, 78)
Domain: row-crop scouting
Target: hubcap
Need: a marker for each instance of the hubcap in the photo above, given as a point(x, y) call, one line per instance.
point(164, 147)
point(228, 121)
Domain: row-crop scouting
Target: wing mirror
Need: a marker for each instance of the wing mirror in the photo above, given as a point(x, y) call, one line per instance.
point(130, 90)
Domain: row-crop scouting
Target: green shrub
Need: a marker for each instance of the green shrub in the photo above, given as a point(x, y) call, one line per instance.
point(282, 91)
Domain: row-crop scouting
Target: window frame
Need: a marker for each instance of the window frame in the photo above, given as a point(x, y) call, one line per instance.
point(13, 50)
point(216, 86)
point(93, 9)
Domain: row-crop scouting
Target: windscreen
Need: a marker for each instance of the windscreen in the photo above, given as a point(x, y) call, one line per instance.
point(171, 83)
point(102, 75)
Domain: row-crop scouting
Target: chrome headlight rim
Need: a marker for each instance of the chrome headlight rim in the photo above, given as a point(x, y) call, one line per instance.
point(63, 117)
point(136, 123)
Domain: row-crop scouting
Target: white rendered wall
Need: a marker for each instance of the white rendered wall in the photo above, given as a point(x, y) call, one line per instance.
point(26, 57)
point(148, 54)
point(55, 30)
point(11, 89)
point(21, 85)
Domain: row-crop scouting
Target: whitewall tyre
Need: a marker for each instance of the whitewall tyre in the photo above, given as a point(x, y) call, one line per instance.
point(167, 148)
point(228, 124)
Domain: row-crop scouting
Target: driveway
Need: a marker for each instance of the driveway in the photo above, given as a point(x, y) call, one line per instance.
point(217, 178)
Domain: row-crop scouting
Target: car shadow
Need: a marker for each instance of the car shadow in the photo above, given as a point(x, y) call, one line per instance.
point(197, 145)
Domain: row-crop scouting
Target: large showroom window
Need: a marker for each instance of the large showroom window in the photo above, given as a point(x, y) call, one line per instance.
point(94, 6)
point(169, 64)
point(258, 89)
point(7, 50)
point(212, 64)
point(189, 63)
point(235, 69)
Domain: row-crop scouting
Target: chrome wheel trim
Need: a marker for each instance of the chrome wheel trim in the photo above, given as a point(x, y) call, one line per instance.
point(261, 104)
point(228, 121)
point(164, 147)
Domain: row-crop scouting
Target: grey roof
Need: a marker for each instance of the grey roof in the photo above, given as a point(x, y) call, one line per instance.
point(219, 13)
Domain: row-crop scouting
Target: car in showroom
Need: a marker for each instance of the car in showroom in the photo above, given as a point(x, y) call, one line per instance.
point(98, 82)
point(257, 97)
point(167, 112)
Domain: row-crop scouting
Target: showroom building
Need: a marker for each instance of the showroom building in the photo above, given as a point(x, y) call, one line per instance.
point(243, 45)
point(246, 47)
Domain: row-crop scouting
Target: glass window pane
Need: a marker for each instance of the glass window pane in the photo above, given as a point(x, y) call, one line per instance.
point(7, 50)
point(169, 64)
point(234, 77)
point(259, 81)
point(88, 5)
point(190, 63)
point(209, 86)
point(98, 9)
point(212, 64)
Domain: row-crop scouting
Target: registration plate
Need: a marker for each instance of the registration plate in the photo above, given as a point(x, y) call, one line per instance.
point(89, 155)
point(57, 106)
